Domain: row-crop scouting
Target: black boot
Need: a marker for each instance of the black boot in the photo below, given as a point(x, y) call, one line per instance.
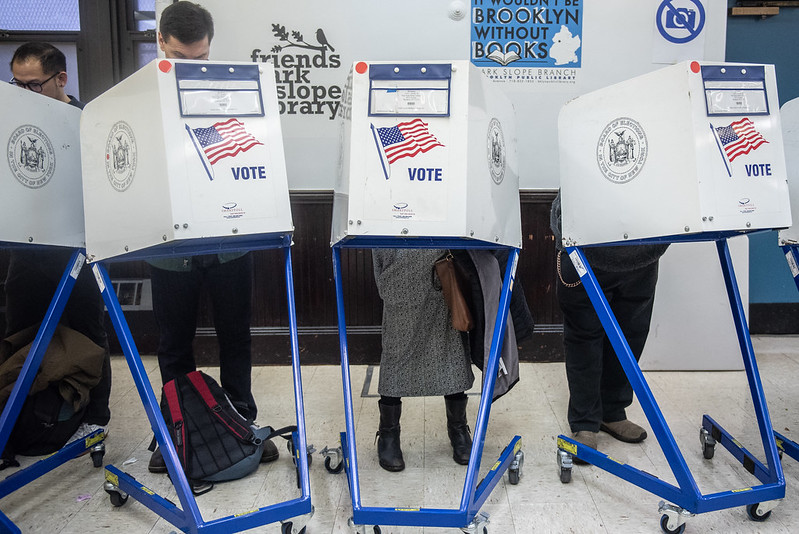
point(388, 437)
point(458, 430)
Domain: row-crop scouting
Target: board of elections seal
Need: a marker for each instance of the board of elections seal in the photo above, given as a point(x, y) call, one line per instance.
point(495, 149)
point(31, 156)
point(120, 156)
point(621, 150)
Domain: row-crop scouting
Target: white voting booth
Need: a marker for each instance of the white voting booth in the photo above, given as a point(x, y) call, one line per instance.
point(41, 200)
point(180, 159)
point(429, 149)
point(428, 161)
point(790, 138)
point(692, 152)
point(678, 180)
point(183, 150)
point(41, 205)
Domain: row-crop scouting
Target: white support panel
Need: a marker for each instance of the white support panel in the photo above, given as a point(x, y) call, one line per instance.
point(41, 202)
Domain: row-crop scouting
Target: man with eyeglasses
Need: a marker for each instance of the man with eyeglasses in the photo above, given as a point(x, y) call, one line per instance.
point(34, 273)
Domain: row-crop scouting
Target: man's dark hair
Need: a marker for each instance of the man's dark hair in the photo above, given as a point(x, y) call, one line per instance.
point(51, 58)
point(187, 22)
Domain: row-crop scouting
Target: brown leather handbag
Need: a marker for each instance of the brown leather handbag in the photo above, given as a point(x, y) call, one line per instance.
point(452, 286)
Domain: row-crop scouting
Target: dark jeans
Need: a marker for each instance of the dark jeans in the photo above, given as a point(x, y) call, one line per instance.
point(176, 296)
point(598, 388)
point(31, 282)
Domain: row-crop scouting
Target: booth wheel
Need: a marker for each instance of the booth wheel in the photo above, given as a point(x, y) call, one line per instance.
point(287, 528)
point(565, 475)
point(293, 450)
point(336, 469)
point(97, 458)
point(754, 514)
point(708, 444)
point(515, 469)
point(118, 497)
point(664, 525)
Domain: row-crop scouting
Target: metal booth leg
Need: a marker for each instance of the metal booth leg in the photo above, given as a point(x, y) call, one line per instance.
point(468, 517)
point(759, 500)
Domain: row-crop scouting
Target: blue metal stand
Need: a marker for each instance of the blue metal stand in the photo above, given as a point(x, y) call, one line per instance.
point(187, 517)
point(23, 384)
point(686, 495)
point(785, 445)
point(474, 493)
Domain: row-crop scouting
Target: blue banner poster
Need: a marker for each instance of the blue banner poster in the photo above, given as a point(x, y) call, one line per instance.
point(517, 39)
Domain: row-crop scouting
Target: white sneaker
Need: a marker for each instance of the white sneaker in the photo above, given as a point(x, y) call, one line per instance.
point(84, 430)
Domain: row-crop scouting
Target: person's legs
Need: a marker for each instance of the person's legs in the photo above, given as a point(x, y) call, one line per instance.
point(634, 300)
point(457, 427)
point(28, 289)
point(389, 451)
point(175, 300)
point(633, 304)
point(85, 313)
point(582, 342)
point(230, 287)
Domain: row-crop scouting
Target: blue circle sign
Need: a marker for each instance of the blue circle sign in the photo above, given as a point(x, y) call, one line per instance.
point(680, 25)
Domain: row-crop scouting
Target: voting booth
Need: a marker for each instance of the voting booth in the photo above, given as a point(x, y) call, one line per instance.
point(180, 159)
point(428, 161)
point(692, 152)
point(428, 149)
point(789, 237)
point(692, 148)
point(180, 151)
point(41, 205)
point(41, 200)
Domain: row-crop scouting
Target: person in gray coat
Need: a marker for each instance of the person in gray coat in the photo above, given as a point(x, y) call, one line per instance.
point(422, 354)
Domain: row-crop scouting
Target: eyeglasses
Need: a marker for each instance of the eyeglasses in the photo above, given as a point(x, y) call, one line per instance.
point(36, 87)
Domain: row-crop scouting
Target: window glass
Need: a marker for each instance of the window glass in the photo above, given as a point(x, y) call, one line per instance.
point(145, 52)
point(144, 14)
point(40, 15)
point(70, 51)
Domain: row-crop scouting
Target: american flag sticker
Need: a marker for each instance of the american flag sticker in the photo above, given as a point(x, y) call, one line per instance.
point(405, 140)
point(739, 138)
point(224, 139)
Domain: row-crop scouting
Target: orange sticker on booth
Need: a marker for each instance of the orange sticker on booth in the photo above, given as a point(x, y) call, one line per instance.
point(165, 66)
point(361, 67)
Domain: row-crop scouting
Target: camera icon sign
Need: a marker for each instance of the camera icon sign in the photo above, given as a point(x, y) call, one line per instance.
point(680, 21)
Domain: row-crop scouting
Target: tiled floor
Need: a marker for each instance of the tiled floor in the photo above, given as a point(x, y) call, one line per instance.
point(71, 499)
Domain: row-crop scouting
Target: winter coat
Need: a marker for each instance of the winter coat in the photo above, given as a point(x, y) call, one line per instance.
point(422, 354)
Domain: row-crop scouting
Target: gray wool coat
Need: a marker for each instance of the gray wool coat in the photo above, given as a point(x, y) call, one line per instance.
point(422, 354)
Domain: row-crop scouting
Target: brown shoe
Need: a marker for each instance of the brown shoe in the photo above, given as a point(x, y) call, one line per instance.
point(587, 438)
point(625, 431)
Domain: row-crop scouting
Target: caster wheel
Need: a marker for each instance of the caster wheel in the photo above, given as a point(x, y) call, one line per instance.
point(376, 529)
point(751, 511)
point(287, 528)
point(708, 451)
point(117, 499)
point(664, 525)
point(335, 470)
point(513, 476)
point(565, 475)
point(97, 458)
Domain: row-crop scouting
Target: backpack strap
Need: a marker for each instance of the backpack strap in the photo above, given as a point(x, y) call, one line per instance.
point(173, 403)
point(284, 432)
point(242, 431)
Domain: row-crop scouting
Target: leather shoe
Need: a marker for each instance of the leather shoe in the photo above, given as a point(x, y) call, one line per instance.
point(157, 463)
point(270, 452)
point(587, 438)
point(625, 431)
